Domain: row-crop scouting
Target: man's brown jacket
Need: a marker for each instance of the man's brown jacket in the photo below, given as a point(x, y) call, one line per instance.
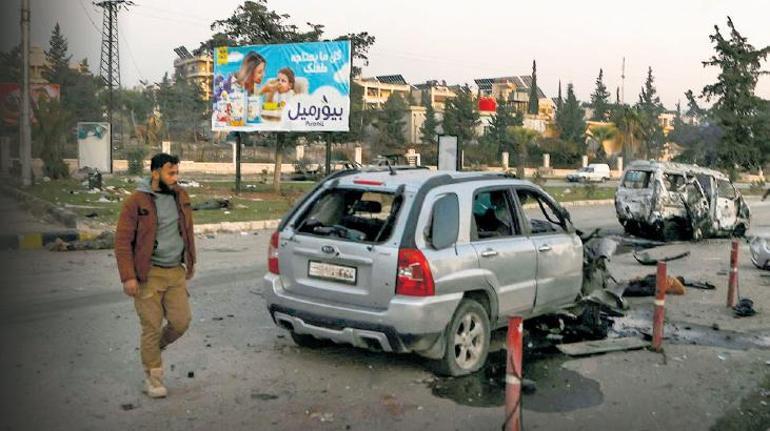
point(135, 234)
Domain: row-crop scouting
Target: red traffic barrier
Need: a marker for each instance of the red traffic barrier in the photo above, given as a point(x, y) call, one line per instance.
point(513, 374)
point(660, 309)
point(732, 284)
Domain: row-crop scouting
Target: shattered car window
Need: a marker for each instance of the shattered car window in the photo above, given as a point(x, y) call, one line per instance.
point(674, 182)
point(352, 214)
point(492, 215)
point(542, 216)
point(637, 179)
point(725, 189)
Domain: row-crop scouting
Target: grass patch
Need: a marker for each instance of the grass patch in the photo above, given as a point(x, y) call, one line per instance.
point(580, 192)
point(257, 201)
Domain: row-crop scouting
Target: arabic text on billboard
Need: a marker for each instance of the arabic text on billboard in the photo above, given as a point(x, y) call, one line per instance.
point(294, 87)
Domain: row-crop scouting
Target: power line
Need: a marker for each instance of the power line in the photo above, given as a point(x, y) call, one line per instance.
point(131, 56)
point(85, 11)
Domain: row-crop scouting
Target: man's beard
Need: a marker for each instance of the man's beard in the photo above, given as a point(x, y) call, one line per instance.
point(164, 188)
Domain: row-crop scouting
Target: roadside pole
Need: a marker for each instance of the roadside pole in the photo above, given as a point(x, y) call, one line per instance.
point(732, 284)
point(660, 302)
point(513, 362)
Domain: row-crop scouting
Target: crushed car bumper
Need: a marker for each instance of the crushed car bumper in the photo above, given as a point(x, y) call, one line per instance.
point(408, 324)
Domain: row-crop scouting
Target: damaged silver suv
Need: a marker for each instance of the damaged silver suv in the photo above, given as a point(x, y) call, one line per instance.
point(420, 261)
point(677, 201)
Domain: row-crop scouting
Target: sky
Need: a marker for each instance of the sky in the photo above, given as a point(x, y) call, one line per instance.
point(445, 40)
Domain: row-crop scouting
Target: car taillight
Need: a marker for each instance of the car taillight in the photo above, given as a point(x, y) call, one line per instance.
point(414, 277)
point(272, 254)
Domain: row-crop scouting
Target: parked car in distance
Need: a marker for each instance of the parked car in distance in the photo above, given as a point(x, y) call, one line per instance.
point(595, 172)
point(420, 261)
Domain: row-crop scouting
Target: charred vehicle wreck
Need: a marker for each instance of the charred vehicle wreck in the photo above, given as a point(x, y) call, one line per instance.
point(675, 201)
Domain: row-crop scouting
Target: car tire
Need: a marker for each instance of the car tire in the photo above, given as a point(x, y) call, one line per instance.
point(308, 341)
point(739, 231)
point(466, 341)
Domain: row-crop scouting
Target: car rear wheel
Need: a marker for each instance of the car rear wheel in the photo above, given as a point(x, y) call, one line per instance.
point(466, 340)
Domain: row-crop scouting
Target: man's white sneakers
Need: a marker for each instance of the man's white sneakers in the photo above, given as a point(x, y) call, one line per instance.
point(153, 384)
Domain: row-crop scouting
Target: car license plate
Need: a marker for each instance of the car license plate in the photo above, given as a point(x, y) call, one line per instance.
point(327, 271)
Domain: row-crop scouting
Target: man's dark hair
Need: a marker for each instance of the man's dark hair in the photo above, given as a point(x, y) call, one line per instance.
point(161, 159)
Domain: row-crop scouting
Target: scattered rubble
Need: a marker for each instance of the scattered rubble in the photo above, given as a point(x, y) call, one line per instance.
point(213, 204)
point(644, 258)
point(105, 240)
point(760, 252)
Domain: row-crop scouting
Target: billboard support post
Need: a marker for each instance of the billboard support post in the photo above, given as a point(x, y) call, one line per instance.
point(238, 137)
point(328, 160)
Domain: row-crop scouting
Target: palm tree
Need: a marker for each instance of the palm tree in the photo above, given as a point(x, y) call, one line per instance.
point(601, 134)
point(629, 124)
point(521, 137)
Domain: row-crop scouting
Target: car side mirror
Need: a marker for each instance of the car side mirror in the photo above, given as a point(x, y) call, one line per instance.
point(445, 222)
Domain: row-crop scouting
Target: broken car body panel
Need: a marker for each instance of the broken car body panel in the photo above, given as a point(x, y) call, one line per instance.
point(664, 198)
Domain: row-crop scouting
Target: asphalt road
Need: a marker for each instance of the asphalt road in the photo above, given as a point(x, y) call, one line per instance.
point(69, 361)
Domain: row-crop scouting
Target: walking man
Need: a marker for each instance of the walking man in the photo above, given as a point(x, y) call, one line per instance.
point(155, 250)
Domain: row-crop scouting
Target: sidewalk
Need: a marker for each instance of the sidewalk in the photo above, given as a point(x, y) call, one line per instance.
point(21, 230)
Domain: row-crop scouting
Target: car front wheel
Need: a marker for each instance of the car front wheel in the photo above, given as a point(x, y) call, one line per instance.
point(466, 340)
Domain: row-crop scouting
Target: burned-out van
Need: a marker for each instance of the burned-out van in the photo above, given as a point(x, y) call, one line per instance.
point(679, 201)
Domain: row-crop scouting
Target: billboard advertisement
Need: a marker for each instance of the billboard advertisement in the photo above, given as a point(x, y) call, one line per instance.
point(298, 87)
point(10, 99)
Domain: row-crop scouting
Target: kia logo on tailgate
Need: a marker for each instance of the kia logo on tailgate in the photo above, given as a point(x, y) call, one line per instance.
point(327, 249)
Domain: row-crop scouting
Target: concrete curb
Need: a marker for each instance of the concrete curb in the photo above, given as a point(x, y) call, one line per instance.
point(37, 240)
point(236, 226)
point(588, 203)
point(42, 208)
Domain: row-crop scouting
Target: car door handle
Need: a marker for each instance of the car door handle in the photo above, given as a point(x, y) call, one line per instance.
point(489, 253)
point(543, 248)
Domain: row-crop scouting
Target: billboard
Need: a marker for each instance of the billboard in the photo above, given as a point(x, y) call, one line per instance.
point(10, 99)
point(299, 87)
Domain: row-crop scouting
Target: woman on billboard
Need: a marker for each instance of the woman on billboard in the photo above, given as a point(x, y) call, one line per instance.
point(251, 73)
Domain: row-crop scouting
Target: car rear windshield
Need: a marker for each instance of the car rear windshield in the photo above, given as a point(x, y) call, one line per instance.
point(636, 179)
point(352, 214)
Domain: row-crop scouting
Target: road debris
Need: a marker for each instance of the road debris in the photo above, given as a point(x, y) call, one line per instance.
point(645, 286)
point(593, 347)
point(105, 240)
point(744, 308)
point(213, 204)
point(760, 252)
point(644, 258)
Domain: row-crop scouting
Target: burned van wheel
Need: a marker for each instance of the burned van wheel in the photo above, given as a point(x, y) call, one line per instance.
point(466, 340)
point(739, 231)
point(308, 341)
point(671, 230)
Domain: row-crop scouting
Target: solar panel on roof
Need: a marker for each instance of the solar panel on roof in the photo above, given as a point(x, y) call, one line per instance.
point(392, 79)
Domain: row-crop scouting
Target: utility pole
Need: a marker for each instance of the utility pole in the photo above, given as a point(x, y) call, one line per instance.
point(25, 146)
point(109, 68)
point(623, 83)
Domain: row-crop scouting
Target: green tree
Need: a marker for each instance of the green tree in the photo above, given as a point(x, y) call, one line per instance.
point(497, 133)
point(649, 108)
point(391, 122)
point(429, 128)
point(534, 98)
point(736, 109)
point(600, 99)
point(461, 116)
point(50, 131)
point(559, 99)
point(570, 119)
point(10, 65)
point(181, 106)
point(79, 88)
